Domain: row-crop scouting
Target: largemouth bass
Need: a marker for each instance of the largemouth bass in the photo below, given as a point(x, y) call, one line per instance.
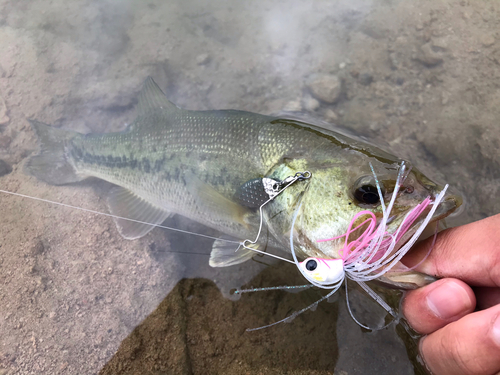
point(210, 166)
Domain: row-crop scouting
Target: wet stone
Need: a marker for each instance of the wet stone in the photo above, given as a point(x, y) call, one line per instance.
point(4, 168)
point(203, 59)
point(4, 119)
point(487, 40)
point(38, 248)
point(293, 106)
point(5, 141)
point(330, 115)
point(311, 104)
point(400, 81)
point(365, 79)
point(325, 87)
point(428, 56)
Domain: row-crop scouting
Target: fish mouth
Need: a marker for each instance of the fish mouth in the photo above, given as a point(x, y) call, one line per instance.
point(448, 205)
point(407, 280)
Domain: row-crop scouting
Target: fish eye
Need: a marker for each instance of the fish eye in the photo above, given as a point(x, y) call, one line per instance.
point(365, 191)
point(311, 265)
point(367, 194)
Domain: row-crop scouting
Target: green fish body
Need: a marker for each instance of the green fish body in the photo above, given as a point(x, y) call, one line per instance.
point(208, 166)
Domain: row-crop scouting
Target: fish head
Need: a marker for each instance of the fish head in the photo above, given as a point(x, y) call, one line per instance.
point(318, 212)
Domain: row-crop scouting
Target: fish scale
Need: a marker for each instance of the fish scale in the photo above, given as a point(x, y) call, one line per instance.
point(153, 156)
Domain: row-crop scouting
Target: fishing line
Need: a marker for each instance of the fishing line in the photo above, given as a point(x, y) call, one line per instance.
point(277, 191)
point(118, 217)
point(377, 298)
point(371, 294)
point(265, 253)
point(265, 289)
point(298, 176)
point(295, 314)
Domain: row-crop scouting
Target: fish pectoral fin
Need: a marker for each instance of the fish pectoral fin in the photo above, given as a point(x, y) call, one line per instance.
point(151, 97)
point(127, 205)
point(213, 201)
point(226, 254)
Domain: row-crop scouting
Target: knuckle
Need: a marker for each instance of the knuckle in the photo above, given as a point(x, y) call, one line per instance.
point(461, 355)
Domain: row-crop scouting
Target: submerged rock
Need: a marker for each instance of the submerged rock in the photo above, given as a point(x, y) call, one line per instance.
point(365, 79)
point(4, 119)
point(325, 87)
point(311, 104)
point(4, 168)
point(5, 141)
point(487, 40)
point(428, 56)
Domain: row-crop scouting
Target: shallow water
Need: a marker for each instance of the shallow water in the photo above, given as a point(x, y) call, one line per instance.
point(417, 77)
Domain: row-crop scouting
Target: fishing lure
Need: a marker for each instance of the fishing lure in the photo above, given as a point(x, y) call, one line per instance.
point(370, 256)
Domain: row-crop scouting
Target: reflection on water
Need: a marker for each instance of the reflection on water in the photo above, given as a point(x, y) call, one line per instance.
point(415, 76)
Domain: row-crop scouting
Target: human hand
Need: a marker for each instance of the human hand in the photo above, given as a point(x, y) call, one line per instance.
point(459, 314)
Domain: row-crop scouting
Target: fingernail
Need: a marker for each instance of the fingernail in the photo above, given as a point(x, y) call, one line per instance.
point(448, 300)
point(495, 331)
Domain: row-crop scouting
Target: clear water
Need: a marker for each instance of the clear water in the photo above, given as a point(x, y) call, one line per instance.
point(418, 77)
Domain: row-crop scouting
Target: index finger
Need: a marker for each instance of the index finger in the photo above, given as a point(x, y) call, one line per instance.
point(470, 253)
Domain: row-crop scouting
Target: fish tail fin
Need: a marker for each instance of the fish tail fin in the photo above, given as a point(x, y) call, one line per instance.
point(51, 164)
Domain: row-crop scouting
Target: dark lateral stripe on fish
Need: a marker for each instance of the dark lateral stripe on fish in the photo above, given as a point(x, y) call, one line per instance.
point(148, 166)
point(145, 164)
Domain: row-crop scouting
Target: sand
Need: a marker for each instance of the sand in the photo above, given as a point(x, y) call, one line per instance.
point(420, 78)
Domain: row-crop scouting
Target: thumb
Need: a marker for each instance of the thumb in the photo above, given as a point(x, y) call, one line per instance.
point(470, 345)
point(469, 253)
point(432, 307)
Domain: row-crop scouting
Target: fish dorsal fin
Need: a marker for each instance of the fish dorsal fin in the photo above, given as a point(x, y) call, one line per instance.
point(224, 253)
point(124, 203)
point(151, 97)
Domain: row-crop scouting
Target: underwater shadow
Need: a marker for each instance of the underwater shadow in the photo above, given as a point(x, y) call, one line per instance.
point(195, 330)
